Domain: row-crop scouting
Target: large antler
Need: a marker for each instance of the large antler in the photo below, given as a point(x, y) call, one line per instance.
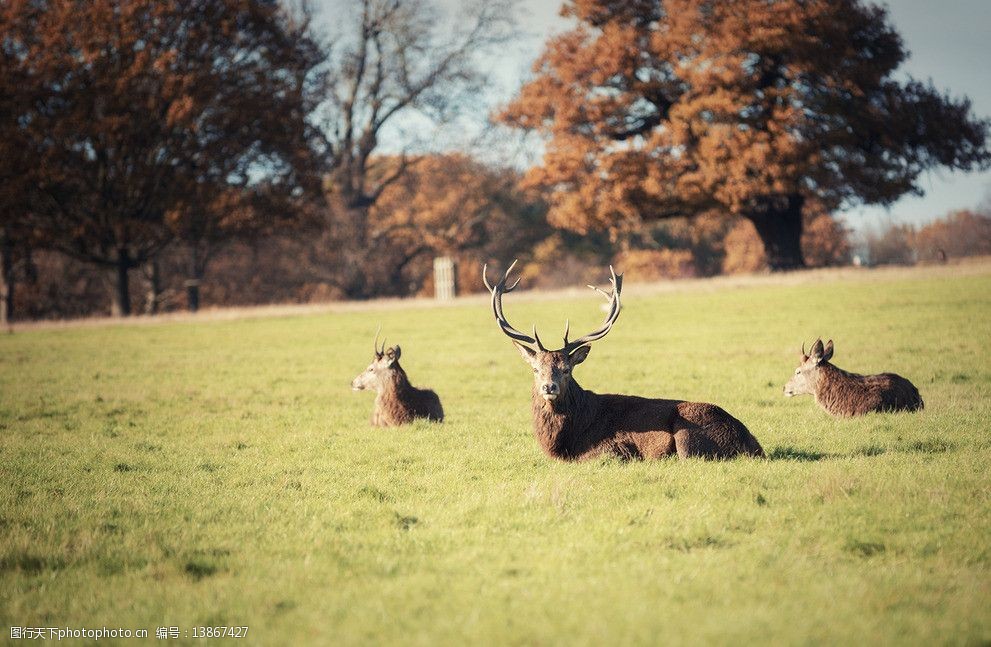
point(502, 287)
point(497, 291)
point(614, 308)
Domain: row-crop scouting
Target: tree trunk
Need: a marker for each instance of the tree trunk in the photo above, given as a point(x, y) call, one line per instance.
point(154, 298)
point(120, 305)
point(344, 251)
point(779, 225)
point(6, 280)
point(193, 294)
point(196, 271)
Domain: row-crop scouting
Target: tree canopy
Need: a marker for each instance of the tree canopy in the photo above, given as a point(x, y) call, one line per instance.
point(150, 109)
point(653, 109)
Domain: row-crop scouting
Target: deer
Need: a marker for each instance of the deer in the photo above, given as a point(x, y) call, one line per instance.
point(397, 402)
point(571, 423)
point(844, 394)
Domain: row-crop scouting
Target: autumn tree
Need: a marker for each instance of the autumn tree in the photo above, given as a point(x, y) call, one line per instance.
point(960, 233)
point(18, 93)
point(653, 109)
point(394, 65)
point(894, 245)
point(825, 241)
point(446, 204)
point(155, 107)
point(207, 220)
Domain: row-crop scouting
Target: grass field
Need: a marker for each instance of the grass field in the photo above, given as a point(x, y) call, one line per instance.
point(222, 473)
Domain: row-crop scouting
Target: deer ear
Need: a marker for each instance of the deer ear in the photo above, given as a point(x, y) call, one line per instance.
point(527, 353)
point(817, 351)
point(579, 355)
point(828, 352)
point(393, 354)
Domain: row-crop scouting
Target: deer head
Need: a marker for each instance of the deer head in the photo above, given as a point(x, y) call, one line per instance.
point(552, 368)
point(807, 374)
point(384, 362)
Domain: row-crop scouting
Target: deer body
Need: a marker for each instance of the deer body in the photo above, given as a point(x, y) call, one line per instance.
point(585, 424)
point(571, 423)
point(397, 402)
point(845, 394)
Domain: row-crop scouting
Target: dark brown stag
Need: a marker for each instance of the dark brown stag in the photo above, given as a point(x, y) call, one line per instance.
point(845, 394)
point(572, 423)
point(397, 402)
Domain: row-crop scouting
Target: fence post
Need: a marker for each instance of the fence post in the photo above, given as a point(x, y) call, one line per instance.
point(444, 287)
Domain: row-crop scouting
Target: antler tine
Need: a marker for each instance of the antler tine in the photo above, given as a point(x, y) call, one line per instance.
point(614, 308)
point(497, 291)
point(803, 349)
point(540, 346)
point(567, 329)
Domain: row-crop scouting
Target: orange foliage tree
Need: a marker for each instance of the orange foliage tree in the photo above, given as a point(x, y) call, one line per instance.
point(657, 109)
point(961, 233)
point(446, 205)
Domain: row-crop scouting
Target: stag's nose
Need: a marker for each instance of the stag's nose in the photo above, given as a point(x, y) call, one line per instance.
point(550, 390)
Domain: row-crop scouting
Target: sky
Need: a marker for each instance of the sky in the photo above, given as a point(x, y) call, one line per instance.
point(949, 42)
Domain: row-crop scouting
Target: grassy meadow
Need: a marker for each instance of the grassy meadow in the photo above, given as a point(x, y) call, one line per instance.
point(222, 473)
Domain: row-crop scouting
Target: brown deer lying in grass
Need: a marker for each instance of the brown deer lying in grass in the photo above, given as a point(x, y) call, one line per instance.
point(848, 394)
point(397, 402)
point(571, 423)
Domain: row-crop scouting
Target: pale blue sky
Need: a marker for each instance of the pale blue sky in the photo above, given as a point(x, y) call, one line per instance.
point(948, 41)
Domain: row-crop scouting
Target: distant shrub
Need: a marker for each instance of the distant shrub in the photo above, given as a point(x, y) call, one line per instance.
point(656, 264)
point(744, 251)
point(825, 241)
point(961, 233)
point(892, 246)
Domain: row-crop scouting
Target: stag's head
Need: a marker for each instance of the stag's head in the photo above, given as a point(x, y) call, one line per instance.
point(552, 368)
point(385, 362)
point(807, 374)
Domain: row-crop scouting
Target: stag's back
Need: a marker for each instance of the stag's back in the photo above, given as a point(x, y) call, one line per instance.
point(848, 394)
point(399, 402)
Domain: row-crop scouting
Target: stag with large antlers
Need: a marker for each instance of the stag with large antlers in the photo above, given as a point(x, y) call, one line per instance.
point(397, 402)
point(572, 423)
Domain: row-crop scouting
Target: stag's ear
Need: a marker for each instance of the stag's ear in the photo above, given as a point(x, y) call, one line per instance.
point(579, 355)
point(393, 354)
point(527, 353)
point(828, 353)
point(817, 351)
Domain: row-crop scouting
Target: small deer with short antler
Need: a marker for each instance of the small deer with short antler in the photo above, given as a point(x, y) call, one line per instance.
point(397, 402)
point(845, 394)
point(572, 423)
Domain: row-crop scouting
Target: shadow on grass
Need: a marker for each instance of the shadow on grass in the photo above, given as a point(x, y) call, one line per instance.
point(30, 563)
point(927, 446)
point(795, 454)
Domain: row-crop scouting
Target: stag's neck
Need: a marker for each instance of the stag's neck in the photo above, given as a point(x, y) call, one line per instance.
point(396, 385)
point(562, 425)
point(835, 387)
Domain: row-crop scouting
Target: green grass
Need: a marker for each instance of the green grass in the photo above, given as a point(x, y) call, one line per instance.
point(212, 473)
